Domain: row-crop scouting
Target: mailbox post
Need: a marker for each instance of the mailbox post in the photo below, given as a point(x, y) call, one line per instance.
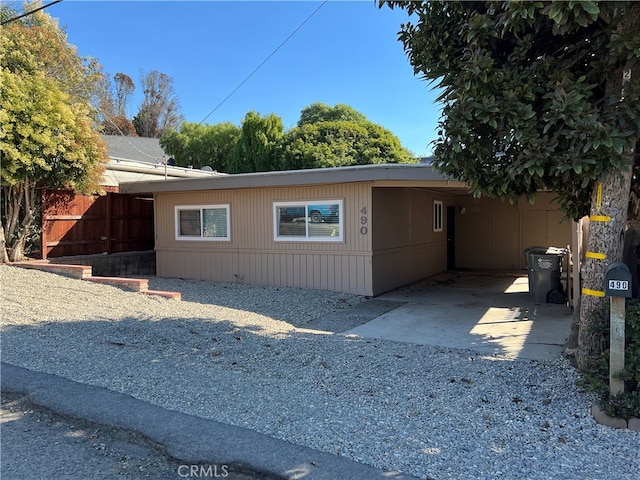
point(617, 287)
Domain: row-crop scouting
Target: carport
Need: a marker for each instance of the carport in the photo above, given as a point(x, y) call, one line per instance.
point(491, 313)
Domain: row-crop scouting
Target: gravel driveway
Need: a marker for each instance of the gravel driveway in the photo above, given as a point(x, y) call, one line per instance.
point(241, 355)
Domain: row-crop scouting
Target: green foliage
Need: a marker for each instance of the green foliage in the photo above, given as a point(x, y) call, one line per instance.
point(323, 144)
point(44, 137)
point(325, 137)
point(257, 148)
point(201, 145)
point(46, 133)
point(631, 374)
point(596, 377)
point(46, 122)
point(321, 112)
point(526, 106)
point(339, 136)
point(341, 143)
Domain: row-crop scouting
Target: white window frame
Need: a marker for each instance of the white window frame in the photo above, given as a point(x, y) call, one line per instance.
point(201, 238)
point(339, 237)
point(438, 216)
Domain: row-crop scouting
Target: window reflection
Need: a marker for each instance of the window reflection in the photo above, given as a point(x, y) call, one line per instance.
point(306, 220)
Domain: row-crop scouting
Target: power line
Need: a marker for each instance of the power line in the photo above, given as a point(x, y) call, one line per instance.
point(107, 117)
point(30, 12)
point(263, 62)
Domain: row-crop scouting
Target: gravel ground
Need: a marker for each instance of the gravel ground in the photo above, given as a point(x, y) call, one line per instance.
point(241, 355)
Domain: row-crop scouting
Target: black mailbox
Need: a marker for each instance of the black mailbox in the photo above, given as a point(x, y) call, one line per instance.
point(617, 281)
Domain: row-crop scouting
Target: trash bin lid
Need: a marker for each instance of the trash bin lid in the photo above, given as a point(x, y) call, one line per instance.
point(546, 250)
point(556, 251)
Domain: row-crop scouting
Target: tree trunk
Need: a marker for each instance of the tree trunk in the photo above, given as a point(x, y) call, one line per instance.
point(20, 201)
point(608, 215)
point(17, 247)
point(12, 215)
point(4, 256)
point(609, 205)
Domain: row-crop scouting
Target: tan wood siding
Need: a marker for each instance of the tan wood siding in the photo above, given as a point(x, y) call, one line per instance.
point(346, 273)
point(405, 246)
point(487, 232)
point(253, 256)
point(493, 234)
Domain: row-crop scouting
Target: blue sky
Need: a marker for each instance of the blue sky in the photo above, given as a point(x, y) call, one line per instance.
point(347, 52)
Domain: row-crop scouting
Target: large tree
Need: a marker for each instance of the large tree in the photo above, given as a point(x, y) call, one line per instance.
point(533, 99)
point(339, 136)
point(123, 89)
point(113, 97)
point(160, 109)
point(47, 137)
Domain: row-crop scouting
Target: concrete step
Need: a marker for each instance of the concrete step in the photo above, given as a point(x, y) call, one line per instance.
point(83, 272)
point(135, 284)
point(75, 271)
point(159, 293)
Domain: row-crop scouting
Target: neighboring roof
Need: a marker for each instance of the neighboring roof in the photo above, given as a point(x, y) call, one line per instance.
point(418, 175)
point(119, 173)
point(138, 159)
point(139, 149)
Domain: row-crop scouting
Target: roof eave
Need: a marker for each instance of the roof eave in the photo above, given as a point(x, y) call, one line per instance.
point(360, 173)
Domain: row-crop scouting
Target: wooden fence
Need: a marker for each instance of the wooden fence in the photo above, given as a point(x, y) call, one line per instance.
point(88, 224)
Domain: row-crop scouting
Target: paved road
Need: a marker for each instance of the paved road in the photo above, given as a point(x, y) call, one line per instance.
point(110, 415)
point(39, 444)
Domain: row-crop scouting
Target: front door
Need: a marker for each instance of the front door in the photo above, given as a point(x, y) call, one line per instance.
point(451, 238)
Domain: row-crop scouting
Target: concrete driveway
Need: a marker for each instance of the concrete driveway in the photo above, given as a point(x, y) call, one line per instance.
point(492, 314)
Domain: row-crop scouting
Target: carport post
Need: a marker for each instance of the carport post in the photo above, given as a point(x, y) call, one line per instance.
point(617, 286)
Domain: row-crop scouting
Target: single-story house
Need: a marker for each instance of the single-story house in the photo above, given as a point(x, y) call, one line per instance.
point(363, 229)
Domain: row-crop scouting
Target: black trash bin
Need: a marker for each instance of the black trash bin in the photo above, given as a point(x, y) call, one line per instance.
point(544, 266)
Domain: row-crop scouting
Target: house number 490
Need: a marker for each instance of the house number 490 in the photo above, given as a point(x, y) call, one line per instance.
point(363, 221)
point(618, 285)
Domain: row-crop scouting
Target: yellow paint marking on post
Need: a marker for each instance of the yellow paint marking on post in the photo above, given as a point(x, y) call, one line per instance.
point(600, 218)
point(593, 293)
point(599, 197)
point(596, 255)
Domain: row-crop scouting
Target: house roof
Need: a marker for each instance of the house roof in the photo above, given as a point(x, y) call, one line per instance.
point(410, 175)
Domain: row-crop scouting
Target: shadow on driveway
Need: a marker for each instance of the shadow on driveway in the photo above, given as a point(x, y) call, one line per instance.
point(493, 314)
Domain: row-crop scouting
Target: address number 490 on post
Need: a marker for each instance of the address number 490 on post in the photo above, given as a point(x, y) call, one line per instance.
point(622, 285)
point(617, 280)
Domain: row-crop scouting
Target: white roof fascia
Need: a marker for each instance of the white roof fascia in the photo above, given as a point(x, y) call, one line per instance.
point(121, 170)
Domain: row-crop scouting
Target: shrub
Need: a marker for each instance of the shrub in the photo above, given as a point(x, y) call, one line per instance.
point(596, 377)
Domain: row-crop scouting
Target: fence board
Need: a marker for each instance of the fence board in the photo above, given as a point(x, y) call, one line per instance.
point(88, 224)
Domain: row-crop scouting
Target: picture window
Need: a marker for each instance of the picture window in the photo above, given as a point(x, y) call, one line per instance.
point(317, 221)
